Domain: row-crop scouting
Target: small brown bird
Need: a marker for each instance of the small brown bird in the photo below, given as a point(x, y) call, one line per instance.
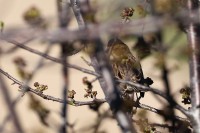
point(125, 65)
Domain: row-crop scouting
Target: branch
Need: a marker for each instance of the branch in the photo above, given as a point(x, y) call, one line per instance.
point(155, 91)
point(77, 12)
point(92, 31)
point(50, 57)
point(193, 33)
point(64, 19)
point(47, 97)
point(193, 38)
point(77, 103)
point(64, 16)
point(158, 111)
point(14, 48)
point(10, 106)
point(37, 67)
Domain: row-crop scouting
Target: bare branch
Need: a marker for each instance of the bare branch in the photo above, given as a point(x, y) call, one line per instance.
point(155, 91)
point(10, 106)
point(77, 12)
point(63, 12)
point(87, 62)
point(11, 50)
point(158, 111)
point(92, 31)
point(47, 97)
point(193, 37)
point(51, 58)
point(64, 16)
point(193, 33)
point(78, 103)
point(38, 66)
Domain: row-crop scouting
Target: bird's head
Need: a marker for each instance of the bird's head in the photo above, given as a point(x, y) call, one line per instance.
point(114, 41)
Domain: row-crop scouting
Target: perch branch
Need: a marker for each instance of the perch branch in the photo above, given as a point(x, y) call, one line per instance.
point(155, 91)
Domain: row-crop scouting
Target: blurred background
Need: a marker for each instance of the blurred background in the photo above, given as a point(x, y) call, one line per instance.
point(83, 118)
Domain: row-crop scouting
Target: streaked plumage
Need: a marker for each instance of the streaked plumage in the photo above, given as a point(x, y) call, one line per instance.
point(125, 65)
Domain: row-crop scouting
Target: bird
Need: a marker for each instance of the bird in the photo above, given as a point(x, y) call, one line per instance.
point(124, 64)
point(126, 67)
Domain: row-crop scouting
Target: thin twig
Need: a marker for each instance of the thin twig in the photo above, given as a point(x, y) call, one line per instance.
point(158, 111)
point(10, 106)
point(87, 62)
point(38, 66)
point(93, 80)
point(47, 97)
point(11, 50)
point(155, 91)
point(51, 58)
point(92, 31)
